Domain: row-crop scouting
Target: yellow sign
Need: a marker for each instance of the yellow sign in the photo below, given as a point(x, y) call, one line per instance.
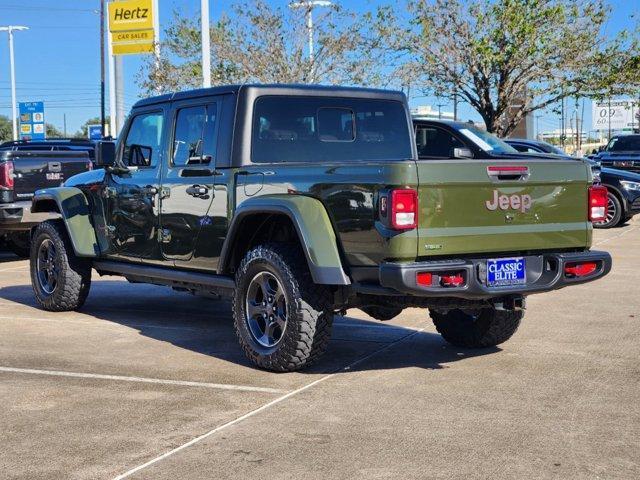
point(130, 15)
point(137, 41)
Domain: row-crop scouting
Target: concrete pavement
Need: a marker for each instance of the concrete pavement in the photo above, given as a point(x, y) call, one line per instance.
point(149, 383)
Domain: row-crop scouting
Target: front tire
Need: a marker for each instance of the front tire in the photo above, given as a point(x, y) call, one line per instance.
point(60, 280)
point(281, 318)
point(476, 329)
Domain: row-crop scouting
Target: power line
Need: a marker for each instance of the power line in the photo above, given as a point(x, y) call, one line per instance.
point(40, 8)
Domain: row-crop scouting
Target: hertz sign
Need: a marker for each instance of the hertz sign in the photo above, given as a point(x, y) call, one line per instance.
point(131, 26)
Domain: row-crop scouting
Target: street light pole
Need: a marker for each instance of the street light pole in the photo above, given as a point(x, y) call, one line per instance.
point(309, 5)
point(9, 29)
point(206, 43)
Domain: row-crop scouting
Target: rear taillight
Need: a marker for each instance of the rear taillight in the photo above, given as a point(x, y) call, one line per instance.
point(580, 269)
point(6, 175)
point(597, 203)
point(404, 209)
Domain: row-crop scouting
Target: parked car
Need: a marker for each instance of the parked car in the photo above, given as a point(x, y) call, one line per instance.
point(622, 152)
point(22, 172)
point(623, 198)
point(301, 202)
point(533, 146)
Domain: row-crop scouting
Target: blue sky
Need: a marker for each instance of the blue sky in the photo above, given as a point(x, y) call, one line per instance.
point(57, 60)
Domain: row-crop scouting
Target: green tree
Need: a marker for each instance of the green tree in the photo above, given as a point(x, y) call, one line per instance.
point(52, 131)
point(267, 44)
point(508, 58)
point(6, 130)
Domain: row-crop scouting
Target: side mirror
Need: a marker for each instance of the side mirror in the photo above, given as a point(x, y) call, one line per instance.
point(105, 154)
point(462, 152)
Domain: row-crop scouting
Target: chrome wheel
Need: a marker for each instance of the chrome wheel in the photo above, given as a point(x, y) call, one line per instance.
point(612, 212)
point(46, 267)
point(266, 309)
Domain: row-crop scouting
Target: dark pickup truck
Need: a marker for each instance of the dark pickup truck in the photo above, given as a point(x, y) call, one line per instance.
point(22, 172)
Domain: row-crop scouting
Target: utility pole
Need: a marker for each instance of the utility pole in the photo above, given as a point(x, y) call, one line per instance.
point(102, 72)
point(206, 43)
point(9, 29)
point(309, 5)
point(538, 126)
point(64, 125)
point(455, 106)
point(562, 126)
point(609, 117)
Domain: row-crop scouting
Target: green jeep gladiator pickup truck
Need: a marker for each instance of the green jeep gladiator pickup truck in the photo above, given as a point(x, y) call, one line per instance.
point(301, 202)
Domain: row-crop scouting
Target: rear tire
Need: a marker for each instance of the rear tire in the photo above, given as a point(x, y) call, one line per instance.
point(614, 213)
point(281, 318)
point(479, 329)
point(60, 280)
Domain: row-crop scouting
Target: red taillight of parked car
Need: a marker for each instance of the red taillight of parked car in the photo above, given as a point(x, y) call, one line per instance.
point(6, 175)
point(404, 209)
point(580, 269)
point(597, 203)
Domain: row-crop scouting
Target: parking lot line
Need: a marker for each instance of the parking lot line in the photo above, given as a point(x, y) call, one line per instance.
point(624, 232)
point(182, 383)
point(264, 407)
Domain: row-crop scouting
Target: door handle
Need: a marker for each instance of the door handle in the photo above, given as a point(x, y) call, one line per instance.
point(150, 190)
point(198, 191)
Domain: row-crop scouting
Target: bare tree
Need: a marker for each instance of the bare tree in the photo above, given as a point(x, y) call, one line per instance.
point(266, 44)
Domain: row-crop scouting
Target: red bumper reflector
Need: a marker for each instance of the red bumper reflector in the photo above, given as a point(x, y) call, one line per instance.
point(424, 278)
point(452, 280)
point(580, 269)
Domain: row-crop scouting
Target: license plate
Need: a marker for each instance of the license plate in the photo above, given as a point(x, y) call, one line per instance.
point(54, 176)
point(506, 271)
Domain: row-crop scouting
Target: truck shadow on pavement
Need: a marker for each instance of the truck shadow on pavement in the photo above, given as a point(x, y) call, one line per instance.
point(205, 326)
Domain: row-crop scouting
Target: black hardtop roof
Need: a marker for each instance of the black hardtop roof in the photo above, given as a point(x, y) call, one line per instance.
point(275, 89)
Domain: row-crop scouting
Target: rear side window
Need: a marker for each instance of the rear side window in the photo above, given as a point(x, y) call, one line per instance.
point(317, 129)
point(194, 140)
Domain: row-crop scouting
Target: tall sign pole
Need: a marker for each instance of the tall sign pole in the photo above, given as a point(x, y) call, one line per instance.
point(102, 70)
point(156, 40)
point(114, 127)
point(133, 29)
point(206, 44)
point(10, 29)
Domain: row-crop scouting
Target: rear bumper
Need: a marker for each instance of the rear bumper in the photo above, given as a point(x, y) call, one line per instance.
point(544, 272)
point(18, 216)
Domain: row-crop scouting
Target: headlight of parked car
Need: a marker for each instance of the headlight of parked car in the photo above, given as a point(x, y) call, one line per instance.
point(630, 185)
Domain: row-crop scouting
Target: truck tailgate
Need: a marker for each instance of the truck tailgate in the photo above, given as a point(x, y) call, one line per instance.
point(36, 170)
point(493, 206)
